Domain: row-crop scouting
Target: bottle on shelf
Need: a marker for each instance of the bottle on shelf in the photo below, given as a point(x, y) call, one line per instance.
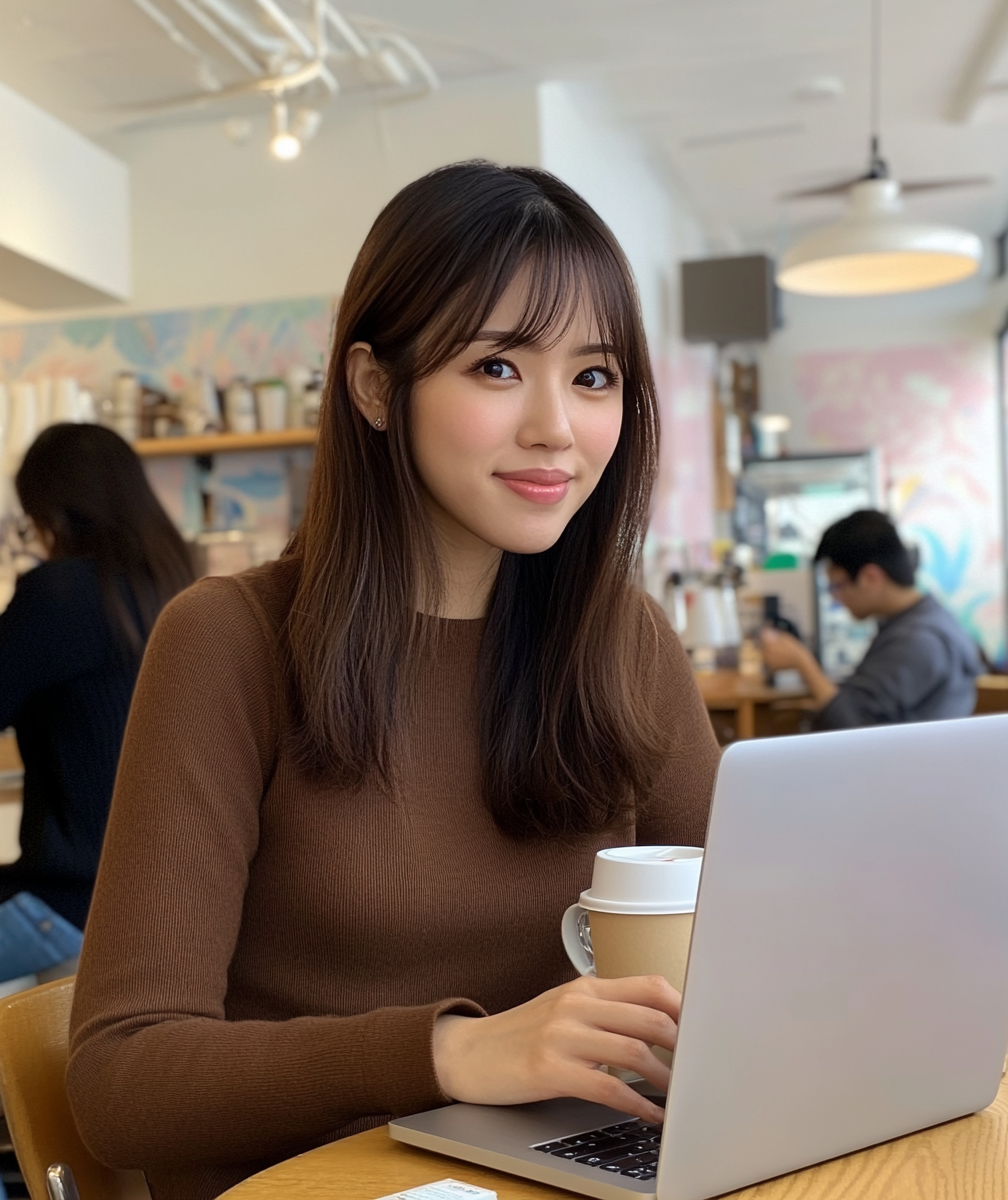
point(240, 406)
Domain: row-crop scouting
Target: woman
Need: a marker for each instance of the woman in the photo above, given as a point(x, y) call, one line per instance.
point(70, 647)
point(360, 785)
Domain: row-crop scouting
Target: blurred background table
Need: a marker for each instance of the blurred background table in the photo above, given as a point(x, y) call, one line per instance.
point(962, 1160)
point(992, 694)
point(742, 707)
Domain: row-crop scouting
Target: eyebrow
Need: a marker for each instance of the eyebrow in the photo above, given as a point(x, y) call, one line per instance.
point(498, 336)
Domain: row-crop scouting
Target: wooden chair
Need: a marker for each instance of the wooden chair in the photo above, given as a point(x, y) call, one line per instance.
point(34, 1028)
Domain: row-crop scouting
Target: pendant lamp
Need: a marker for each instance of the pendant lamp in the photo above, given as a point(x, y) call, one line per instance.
point(877, 249)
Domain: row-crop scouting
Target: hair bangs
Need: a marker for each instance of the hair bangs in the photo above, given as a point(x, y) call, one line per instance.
point(564, 274)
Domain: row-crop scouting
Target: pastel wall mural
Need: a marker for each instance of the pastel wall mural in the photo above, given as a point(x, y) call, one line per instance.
point(255, 340)
point(932, 411)
point(257, 493)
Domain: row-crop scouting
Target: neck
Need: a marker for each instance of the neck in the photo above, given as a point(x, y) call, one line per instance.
point(467, 588)
point(896, 600)
point(469, 570)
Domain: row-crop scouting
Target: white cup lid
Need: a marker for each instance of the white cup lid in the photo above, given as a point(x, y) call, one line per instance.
point(644, 879)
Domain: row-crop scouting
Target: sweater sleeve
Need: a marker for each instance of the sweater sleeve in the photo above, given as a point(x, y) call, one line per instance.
point(677, 811)
point(158, 1077)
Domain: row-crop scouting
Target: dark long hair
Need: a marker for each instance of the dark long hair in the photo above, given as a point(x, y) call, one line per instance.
point(86, 487)
point(567, 737)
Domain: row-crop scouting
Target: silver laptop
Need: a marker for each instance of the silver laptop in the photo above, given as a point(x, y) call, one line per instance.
point(847, 979)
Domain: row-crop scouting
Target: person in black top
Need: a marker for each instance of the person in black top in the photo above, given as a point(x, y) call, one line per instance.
point(71, 641)
point(921, 666)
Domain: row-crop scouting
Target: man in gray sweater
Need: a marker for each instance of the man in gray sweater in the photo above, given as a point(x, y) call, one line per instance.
point(921, 665)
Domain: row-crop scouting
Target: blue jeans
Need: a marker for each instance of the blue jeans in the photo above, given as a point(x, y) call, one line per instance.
point(33, 937)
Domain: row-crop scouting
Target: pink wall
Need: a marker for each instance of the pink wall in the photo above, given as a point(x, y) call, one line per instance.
point(682, 510)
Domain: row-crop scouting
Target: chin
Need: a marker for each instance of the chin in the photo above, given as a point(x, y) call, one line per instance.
point(527, 541)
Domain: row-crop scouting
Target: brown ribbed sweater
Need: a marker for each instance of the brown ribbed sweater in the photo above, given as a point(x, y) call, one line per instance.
point(265, 955)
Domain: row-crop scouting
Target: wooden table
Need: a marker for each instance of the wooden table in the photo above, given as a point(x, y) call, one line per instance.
point(992, 694)
point(730, 691)
point(963, 1160)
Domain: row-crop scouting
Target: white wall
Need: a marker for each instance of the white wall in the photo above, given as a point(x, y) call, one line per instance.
point(64, 211)
point(218, 223)
point(580, 143)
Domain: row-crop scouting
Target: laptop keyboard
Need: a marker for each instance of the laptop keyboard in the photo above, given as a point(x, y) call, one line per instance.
point(630, 1148)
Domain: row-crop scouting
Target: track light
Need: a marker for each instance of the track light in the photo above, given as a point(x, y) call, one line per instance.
point(283, 144)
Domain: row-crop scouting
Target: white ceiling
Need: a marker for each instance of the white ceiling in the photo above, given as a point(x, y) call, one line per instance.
point(712, 86)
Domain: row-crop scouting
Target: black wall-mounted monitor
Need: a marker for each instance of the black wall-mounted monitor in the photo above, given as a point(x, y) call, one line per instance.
point(727, 300)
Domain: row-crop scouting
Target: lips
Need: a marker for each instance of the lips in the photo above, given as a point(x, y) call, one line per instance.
point(541, 485)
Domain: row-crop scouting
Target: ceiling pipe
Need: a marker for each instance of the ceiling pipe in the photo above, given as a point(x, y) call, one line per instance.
point(278, 82)
point(975, 78)
point(245, 29)
point(300, 40)
point(361, 49)
point(346, 30)
point(269, 85)
point(210, 26)
point(291, 31)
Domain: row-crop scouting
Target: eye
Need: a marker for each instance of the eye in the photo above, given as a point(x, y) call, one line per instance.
point(595, 379)
point(497, 368)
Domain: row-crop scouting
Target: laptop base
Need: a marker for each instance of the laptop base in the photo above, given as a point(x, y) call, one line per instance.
point(503, 1138)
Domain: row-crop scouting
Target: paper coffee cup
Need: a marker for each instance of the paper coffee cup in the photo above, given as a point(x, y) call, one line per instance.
point(637, 916)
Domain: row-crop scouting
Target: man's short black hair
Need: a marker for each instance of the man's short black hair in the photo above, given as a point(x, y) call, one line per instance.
point(867, 536)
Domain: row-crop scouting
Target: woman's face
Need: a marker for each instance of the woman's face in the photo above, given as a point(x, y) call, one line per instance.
point(510, 445)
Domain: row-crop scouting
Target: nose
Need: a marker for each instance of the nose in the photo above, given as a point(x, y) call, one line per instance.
point(545, 422)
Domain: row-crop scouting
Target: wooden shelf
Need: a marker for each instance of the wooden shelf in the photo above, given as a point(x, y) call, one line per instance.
point(223, 443)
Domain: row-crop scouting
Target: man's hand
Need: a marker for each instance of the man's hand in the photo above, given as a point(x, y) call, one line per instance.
point(782, 652)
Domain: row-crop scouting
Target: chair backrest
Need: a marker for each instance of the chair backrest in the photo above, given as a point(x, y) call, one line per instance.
point(34, 1037)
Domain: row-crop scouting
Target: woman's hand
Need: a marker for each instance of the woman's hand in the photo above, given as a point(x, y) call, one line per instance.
point(553, 1046)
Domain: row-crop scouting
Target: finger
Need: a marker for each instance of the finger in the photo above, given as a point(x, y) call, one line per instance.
point(651, 991)
point(630, 1020)
point(603, 1088)
point(627, 1053)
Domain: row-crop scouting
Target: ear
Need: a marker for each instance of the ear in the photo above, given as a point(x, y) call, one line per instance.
point(368, 385)
point(872, 575)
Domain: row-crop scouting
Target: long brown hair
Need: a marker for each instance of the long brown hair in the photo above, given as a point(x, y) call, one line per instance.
point(87, 488)
point(567, 737)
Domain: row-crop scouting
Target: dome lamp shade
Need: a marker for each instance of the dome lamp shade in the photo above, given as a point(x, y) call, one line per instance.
point(876, 250)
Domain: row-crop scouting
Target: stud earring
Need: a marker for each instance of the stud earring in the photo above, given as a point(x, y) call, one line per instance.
point(379, 422)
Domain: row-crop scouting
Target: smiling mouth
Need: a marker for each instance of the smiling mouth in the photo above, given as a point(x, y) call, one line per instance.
point(537, 484)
